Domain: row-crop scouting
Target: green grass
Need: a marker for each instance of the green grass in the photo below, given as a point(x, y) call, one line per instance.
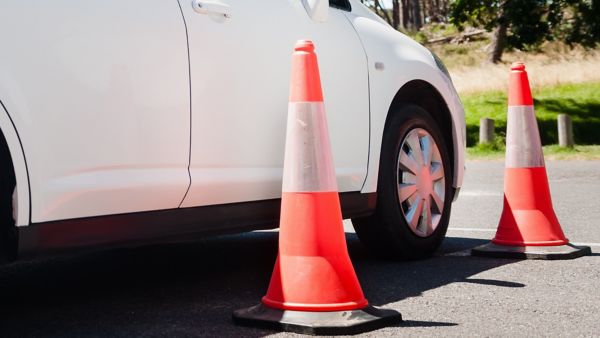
point(551, 152)
point(581, 101)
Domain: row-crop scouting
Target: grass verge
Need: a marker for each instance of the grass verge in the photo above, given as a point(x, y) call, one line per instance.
point(581, 101)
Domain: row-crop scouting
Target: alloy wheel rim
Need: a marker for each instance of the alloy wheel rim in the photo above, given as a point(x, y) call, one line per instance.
point(421, 183)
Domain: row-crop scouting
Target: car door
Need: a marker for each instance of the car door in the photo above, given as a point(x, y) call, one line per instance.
point(99, 93)
point(240, 67)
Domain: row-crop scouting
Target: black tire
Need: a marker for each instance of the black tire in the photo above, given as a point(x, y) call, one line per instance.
point(8, 231)
point(386, 233)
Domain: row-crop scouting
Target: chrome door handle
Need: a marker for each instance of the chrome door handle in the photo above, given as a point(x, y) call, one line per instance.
point(211, 7)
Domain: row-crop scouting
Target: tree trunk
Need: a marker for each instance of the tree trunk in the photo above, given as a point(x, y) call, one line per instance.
point(396, 14)
point(432, 10)
point(499, 36)
point(498, 39)
point(416, 22)
point(405, 16)
point(437, 11)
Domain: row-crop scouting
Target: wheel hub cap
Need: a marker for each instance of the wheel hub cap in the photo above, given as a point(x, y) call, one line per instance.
point(424, 182)
point(421, 182)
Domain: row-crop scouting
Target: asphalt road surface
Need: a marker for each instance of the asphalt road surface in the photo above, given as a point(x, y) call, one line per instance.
point(191, 289)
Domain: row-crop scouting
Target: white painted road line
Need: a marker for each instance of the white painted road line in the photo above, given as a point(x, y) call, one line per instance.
point(472, 229)
point(587, 244)
point(462, 253)
point(479, 193)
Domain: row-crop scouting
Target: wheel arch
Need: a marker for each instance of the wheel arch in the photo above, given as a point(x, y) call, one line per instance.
point(14, 160)
point(424, 95)
point(435, 96)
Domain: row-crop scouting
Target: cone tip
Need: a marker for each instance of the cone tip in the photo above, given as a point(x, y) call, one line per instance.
point(304, 46)
point(519, 92)
point(518, 66)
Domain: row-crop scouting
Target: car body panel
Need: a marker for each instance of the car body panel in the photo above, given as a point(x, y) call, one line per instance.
point(118, 117)
point(100, 98)
point(404, 60)
point(240, 82)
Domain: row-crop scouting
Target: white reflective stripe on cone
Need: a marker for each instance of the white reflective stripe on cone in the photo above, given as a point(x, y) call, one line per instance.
point(523, 145)
point(308, 163)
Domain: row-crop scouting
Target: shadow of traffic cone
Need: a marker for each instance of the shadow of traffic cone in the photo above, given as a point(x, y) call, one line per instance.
point(313, 288)
point(528, 227)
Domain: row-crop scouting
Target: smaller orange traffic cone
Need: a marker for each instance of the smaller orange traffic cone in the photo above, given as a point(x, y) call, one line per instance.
point(313, 288)
point(528, 227)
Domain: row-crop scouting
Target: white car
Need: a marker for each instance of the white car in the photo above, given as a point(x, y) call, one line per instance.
point(125, 123)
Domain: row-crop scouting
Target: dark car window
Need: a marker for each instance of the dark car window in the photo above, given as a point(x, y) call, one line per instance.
point(341, 4)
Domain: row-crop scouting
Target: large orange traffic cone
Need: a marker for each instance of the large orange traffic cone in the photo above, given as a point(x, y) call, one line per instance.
point(528, 227)
point(313, 288)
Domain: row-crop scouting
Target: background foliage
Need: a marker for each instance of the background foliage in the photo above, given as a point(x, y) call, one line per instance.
point(515, 24)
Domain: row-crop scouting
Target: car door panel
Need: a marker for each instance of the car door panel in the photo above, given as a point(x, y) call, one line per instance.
point(100, 96)
point(240, 70)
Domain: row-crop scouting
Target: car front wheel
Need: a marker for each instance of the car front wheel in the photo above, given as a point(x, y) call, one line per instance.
point(414, 189)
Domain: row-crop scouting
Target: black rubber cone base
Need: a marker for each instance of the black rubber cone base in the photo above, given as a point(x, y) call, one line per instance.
point(317, 323)
point(568, 251)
